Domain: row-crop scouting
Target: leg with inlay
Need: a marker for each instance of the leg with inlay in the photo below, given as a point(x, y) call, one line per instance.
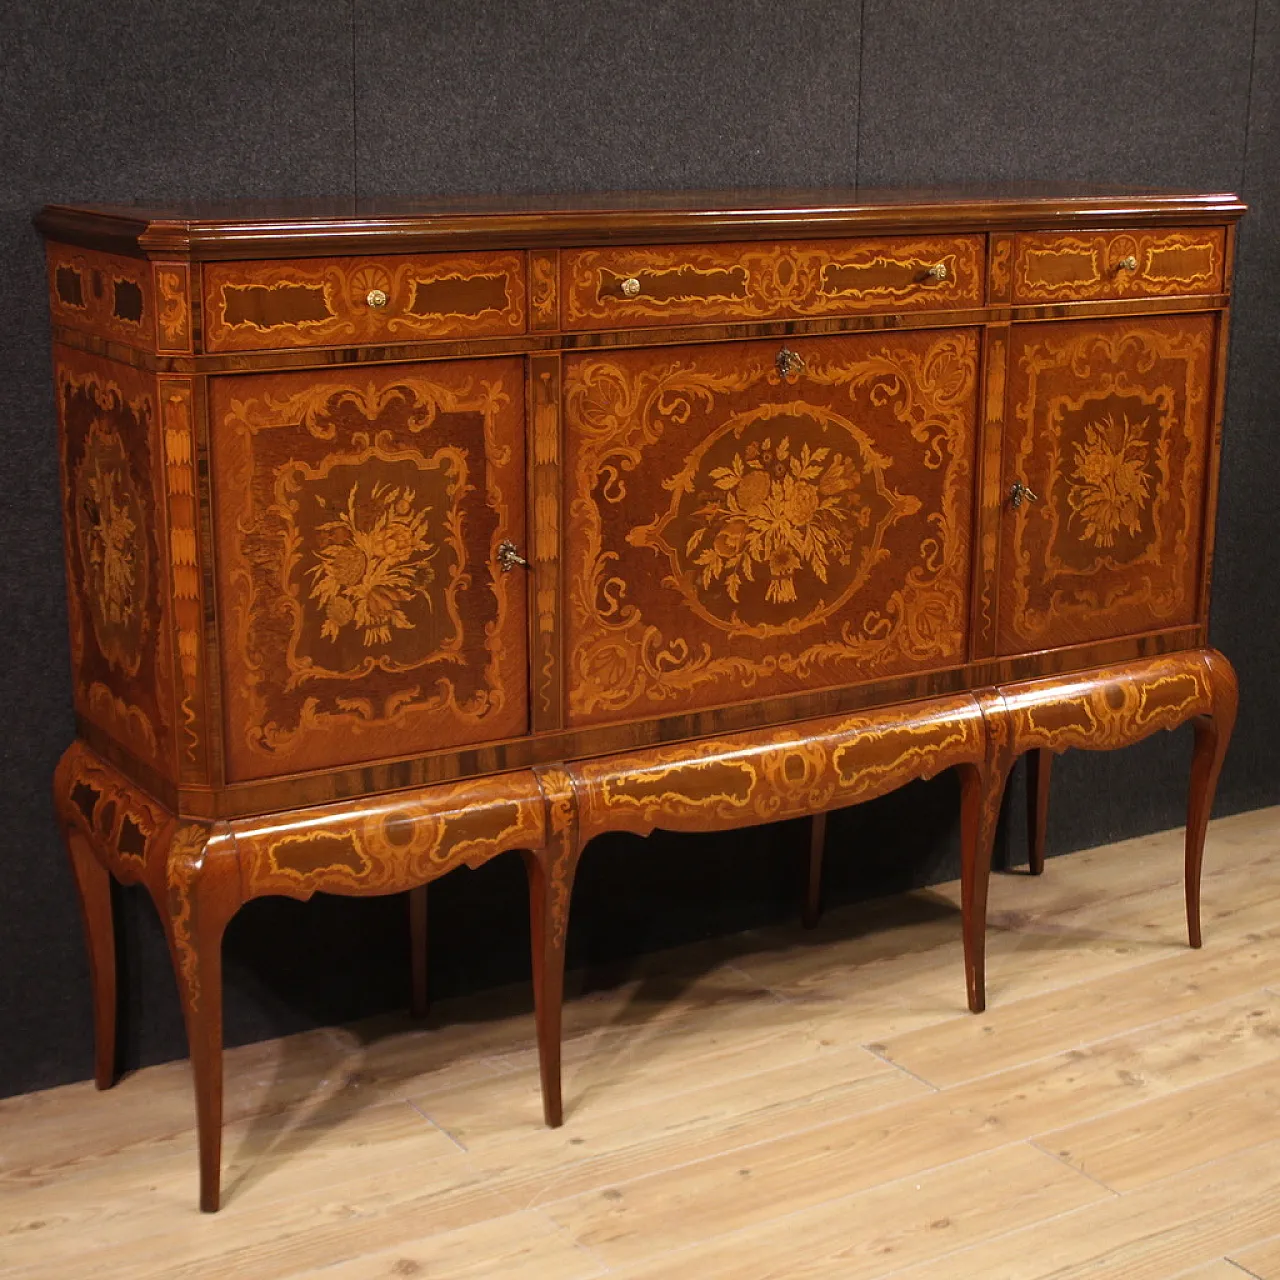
point(551, 873)
point(980, 796)
point(200, 894)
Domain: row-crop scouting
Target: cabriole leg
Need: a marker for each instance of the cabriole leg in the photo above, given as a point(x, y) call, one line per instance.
point(981, 791)
point(1213, 734)
point(93, 881)
point(551, 873)
point(198, 898)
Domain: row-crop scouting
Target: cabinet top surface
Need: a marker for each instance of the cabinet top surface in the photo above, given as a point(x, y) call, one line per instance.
point(266, 228)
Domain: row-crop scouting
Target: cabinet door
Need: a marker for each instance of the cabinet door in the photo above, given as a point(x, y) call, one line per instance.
point(362, 609)
point(1108, 427)
point(743, 525)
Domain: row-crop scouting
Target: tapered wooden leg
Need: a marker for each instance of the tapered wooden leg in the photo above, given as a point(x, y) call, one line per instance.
point(813, 890)
point(551, 873)
point(1039, 766)
point(980, 795)
point(1213, 734)
point(418, 951)
point(93, 881)
point(199, 897)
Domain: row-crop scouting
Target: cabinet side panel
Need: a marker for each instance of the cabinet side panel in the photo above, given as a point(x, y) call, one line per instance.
point(117, 579)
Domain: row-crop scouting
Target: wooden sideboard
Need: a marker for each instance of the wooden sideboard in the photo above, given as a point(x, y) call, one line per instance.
point(401, 535)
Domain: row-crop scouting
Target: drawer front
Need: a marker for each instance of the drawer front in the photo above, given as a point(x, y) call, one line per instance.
point(102, 293)
point(709, 284)
point(736, 533)
point(325, 302)
point(362, 607)
point(1108, 426)
point(1079, 266)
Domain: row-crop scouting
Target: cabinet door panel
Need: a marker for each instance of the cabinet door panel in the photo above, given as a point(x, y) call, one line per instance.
point(1108, 426)
point(362, 609)
point(736, 532)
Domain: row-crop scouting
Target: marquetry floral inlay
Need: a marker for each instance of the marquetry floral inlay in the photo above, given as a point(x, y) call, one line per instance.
point(1110, 485)
point(109, 526)
point(374, 556)
point(776, 511)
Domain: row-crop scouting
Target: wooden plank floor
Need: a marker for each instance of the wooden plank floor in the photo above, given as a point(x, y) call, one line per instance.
point(779, 1104)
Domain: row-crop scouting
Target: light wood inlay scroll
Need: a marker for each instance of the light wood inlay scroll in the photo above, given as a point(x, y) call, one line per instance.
point(769, 775)
point(391, 842)
point(702, 284)
point(545, 468)
point(315, 302)
point(1074, 266)
point(173, 310)
point(177, 415)
point(102, 293)
point(544, 289)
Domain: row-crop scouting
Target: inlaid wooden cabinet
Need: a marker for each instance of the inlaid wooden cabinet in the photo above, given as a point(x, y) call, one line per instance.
point(403, 535)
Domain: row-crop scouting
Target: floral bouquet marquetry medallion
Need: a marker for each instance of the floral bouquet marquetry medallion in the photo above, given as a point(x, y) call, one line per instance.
point(110, 528)
point(379, 554)
point(776, 520)
point(733, 529)
point(365, 610)
point(1109, 426)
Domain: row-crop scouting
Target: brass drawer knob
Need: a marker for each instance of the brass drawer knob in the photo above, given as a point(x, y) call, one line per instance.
point(630, 287)
point(376, 298)
point(937, 272)
point(509, 557)
point(1129, 263)
point(1020, 494)
point(789, 362)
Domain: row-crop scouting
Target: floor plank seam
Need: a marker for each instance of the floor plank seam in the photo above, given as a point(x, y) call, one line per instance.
point(780, 1221)
point(779, 996)
point(1040, 1138)
point(1175, 951)
point(1103, 1040)
point(987, 1241)
point(702, 1159)
point(1244, 1271)
point(877, 1051)
point(1075, 1168)
point(431, 1120)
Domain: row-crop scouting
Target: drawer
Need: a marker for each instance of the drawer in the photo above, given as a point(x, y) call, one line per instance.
point(1083, 265)
point(103, 293)
point(716, 284)
point(325, 302)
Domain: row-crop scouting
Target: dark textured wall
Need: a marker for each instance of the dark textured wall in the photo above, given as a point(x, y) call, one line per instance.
point(148, 99)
